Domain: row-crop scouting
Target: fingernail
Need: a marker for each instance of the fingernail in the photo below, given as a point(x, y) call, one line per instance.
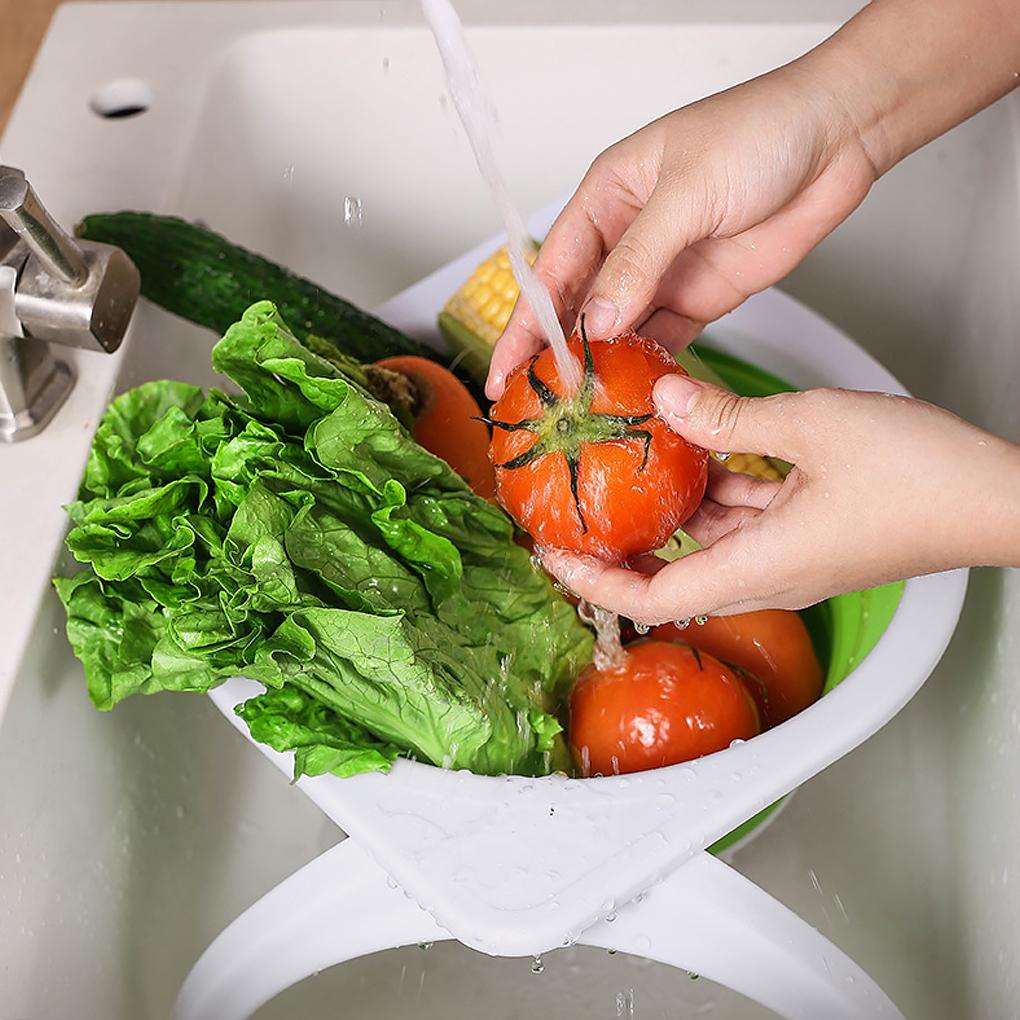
point(675, 395)
point(494, 385)
point(600, 317)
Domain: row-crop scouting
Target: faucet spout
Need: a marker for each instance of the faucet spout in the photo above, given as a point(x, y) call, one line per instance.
point(53, 290)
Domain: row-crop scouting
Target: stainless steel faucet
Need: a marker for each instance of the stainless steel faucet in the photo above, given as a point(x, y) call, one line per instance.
point(53, 290)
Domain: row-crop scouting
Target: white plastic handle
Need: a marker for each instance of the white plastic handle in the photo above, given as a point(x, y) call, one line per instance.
point(705, 918)
point(709, 919)
point(336, 908)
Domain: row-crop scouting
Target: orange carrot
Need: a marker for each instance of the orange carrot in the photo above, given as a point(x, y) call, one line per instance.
point(444, 420)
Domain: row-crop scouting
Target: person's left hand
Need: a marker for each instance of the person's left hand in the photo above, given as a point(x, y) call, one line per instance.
point(884, 487)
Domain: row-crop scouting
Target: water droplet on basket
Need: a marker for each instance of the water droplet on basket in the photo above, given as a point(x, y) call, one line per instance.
point(537, 966)
point(682, 624)
point(642, 628)
point(701, 620)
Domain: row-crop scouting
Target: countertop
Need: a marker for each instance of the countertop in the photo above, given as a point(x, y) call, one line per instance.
point(24, 25)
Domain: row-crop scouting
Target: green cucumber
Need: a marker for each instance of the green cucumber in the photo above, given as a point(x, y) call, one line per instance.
point(201, 276)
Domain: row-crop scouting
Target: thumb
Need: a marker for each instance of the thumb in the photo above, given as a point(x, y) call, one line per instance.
point(718, 420)
point(627, 283)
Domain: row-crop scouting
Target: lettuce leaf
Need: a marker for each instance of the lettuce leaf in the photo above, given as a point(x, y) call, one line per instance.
point(297, 535)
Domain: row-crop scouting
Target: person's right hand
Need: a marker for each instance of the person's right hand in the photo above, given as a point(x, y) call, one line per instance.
point(885, 487)
point(678, 223)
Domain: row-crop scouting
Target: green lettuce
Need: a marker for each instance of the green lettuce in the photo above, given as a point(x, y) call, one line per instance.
point(297, 535)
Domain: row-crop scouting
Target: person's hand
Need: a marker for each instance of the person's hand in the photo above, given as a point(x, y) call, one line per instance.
point(677, 224)
point(884, 487)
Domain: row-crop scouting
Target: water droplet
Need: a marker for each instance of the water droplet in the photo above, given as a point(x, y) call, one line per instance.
point(693, 976)
point(642, 628)
point(701, 620)
point(682, 624)
point(611, 917)
point(537, 966)
point(425, 945)
point(352, 211)
point(288, 175)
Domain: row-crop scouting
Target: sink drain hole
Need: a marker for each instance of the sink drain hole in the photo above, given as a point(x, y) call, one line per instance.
point(125, 97)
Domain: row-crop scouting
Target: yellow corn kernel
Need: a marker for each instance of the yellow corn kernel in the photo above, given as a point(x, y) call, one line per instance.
point(751, 464)
point(488, 297)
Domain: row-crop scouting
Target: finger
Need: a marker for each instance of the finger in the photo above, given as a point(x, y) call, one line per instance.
point(733, 488)
point(625, 287)
point(719, 420)
point(590, 223)
point(671, 329)
point(646, 563)
point(695, 585)
point(712, 521)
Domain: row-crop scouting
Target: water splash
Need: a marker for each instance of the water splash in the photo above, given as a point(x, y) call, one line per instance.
point(608, 652)
point(625, 1004)
point(476, 114)
point(352, 211)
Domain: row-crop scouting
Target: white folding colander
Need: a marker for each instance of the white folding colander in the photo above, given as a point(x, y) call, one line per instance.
point(516, 866)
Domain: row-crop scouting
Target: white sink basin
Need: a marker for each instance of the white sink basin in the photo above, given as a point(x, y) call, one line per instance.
point(129, 840)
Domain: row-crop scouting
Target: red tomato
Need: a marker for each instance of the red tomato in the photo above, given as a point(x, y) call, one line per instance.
point(596, 472)
point(773, 644)
point(665, 704)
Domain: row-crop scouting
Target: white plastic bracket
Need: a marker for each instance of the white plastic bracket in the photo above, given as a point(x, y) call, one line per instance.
point(705, 918)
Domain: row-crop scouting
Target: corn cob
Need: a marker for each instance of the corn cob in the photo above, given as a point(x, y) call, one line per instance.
point(751, 464)
point(487, 298)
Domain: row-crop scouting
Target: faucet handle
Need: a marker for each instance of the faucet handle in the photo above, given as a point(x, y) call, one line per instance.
point(78, 294)
point(45, 238)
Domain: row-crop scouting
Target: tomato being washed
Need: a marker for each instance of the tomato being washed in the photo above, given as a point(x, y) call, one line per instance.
point(596, 472)
point(772, 644)
point(664, 704)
